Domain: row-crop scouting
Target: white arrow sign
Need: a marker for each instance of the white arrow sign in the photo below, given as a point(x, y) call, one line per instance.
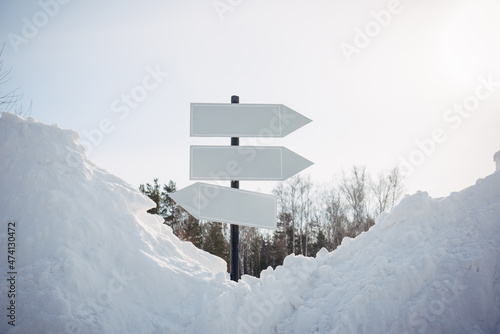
point(234, 206)
point(244, 120)
point(245, 163)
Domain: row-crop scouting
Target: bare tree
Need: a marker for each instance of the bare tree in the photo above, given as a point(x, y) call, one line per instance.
point(306, 215)
point(334, 214)
point(292, 192)
point(354, 188)
point(247, 237)
point(10, 101)
point(396, 185)
point(284, 215)
point(296, 210)
point(387, 189)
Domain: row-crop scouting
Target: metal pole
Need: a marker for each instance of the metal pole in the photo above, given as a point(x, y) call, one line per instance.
point(235, 231)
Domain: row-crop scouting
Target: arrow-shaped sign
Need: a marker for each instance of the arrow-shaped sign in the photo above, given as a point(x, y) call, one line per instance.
point(245, 163)
point(244, 120)
point(221, 204)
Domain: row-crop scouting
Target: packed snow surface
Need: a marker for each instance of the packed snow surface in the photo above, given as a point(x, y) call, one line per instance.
point(89, 259)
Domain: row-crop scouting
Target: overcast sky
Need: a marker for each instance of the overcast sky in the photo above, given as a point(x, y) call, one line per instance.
point(386, 83)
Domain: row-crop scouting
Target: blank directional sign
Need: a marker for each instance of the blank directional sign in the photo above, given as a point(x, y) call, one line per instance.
point(244, 120)
point(245, 163)
point(234, 206)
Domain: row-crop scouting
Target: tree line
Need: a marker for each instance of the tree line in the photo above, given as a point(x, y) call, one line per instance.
point(310, 216)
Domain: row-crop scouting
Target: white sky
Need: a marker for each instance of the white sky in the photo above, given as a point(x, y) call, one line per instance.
point(370, 111)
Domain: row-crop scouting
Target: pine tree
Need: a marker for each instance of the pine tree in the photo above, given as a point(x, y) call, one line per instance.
point(265, 253)
point(153, 192)
point(214, 241)
point(173, 214)
point(192, 231)
point(278, 248)
point(320, 242)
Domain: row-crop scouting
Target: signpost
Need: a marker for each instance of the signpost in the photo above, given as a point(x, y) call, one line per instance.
point(269, 163)
point(228, 205)
point(235, 163)
point(234, 236)
point(244, 120)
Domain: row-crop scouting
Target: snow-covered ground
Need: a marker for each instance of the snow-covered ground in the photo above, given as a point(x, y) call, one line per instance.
point(89, 259)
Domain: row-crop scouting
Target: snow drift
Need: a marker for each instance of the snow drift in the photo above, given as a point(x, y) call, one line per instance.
point(89, 259)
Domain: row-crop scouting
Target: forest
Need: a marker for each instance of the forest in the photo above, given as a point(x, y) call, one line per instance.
point(310, 217)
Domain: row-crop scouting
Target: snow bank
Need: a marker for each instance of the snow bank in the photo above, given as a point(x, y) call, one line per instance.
point(91, 260)
point(431, 266)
